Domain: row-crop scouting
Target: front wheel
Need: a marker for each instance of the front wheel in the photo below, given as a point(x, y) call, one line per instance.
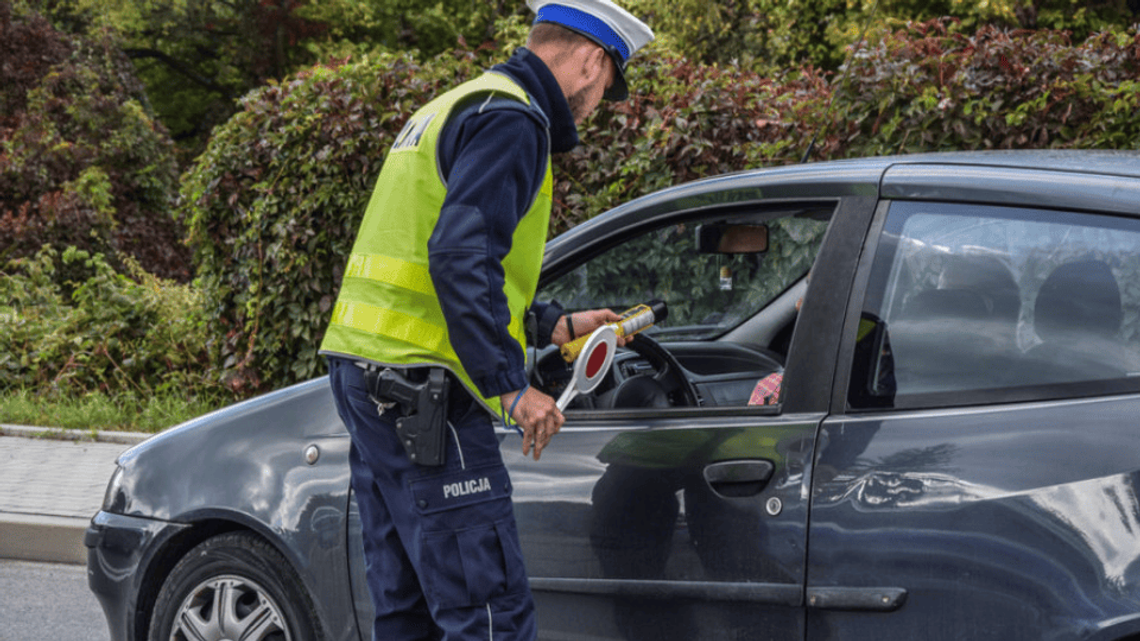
point(233, 586)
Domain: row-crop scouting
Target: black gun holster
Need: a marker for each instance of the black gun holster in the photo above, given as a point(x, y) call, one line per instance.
point(423, 408)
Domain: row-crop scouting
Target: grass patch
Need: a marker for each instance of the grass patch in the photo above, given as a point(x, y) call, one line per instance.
point(97, 411)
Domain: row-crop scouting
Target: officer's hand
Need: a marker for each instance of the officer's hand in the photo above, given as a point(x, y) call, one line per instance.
point(537, 415)
point(584, 323)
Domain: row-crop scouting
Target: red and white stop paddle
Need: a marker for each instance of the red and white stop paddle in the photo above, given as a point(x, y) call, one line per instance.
point(591, 365)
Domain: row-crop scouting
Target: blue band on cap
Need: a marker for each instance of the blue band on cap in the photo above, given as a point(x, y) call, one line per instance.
point(586, 23)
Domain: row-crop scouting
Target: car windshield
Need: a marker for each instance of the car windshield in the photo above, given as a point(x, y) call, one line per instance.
point(707, 293)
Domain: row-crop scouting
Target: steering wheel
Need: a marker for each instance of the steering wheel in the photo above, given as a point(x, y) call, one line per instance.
point(669, 377)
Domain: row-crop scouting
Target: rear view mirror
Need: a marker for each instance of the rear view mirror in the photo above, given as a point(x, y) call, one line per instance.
point(729, 238)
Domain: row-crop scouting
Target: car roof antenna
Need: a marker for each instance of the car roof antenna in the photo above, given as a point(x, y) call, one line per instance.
point(846, 69)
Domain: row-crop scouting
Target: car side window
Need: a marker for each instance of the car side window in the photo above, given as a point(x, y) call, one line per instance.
point(706, 293)
point(969, 303)
point(717, 273)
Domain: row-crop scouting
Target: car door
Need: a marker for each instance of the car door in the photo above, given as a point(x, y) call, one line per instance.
point(980, 477)
point(674, 521)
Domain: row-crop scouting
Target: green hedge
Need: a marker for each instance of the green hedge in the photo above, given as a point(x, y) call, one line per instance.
point(685, 121)
point(274, 203)
point(927, 89)
point(112, 334)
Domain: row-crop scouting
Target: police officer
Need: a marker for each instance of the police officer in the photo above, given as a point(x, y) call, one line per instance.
point(430, 326)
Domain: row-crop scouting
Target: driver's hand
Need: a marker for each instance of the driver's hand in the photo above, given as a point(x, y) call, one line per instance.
point(585, 323)
point(538, 416)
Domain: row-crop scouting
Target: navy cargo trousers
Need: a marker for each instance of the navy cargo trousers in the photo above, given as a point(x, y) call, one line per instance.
point(440, 543)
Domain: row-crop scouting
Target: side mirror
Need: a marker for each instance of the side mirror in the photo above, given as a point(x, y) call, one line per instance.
point(728, 238)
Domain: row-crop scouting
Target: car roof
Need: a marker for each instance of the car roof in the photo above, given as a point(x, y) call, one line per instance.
point(1101, 161)
point(1097, 161)
point(1107, 162)
point(979, 176)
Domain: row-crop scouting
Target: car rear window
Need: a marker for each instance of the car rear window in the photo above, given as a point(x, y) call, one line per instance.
point(968, 303)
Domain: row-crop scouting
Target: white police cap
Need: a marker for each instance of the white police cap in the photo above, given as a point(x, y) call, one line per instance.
point(602, 21)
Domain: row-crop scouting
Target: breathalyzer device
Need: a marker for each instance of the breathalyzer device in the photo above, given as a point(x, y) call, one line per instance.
point(633, 320)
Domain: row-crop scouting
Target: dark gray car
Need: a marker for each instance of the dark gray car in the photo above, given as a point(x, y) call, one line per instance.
point(955, 453)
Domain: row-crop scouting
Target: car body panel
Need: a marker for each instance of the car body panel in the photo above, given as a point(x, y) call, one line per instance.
point(119, 549)
point(1013, 186)
point(1011, 519)
point(1041, 544)
point(624, 534)
point(245, 467)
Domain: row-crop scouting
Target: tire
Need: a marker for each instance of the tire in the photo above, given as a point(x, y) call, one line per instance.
point(233, 586)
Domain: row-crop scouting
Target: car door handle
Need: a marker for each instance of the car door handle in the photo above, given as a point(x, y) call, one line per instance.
point(737, 479)
point(883, 599)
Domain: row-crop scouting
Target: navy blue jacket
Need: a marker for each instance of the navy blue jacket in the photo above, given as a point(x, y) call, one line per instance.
point(493, 161)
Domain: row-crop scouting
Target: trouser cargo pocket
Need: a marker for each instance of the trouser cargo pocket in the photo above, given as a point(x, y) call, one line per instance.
point(474, 566)
point(471, 552)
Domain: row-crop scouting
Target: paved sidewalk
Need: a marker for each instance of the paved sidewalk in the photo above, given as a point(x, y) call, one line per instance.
point(51, 486)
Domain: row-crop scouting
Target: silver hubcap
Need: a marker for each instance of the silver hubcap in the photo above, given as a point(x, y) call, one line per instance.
point(229, 608)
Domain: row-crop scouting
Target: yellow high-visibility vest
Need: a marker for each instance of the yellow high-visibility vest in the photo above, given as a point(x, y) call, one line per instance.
point(387, 311)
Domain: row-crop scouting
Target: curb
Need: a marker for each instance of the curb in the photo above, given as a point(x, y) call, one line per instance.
point(42, 538)
point(47, 538)
point(64, 434)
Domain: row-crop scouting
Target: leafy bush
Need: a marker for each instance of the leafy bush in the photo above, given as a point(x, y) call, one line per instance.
point(198, 58)
point(760, 35)
point(111, 335)
point(32, 33)
point(685, 121)
point(428, 27)
point(275, 201)
point(770, 35)
point(81, 161)
point(195, 58)
point(927, 89)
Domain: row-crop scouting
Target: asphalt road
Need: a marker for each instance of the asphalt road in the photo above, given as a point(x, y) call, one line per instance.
point(48, 601)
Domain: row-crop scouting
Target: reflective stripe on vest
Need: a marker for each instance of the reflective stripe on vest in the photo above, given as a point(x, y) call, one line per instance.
point(387, 269)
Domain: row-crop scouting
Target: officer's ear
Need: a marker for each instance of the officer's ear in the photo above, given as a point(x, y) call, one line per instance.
point(595, 64)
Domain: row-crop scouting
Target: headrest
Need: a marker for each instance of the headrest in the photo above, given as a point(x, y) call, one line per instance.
point(1078, 298)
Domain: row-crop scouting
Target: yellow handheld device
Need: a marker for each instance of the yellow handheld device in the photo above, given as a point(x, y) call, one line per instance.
point(633, 320)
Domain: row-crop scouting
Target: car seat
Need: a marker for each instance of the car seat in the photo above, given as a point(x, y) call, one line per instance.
point(961, 335)
point(1077, 316)
point(936, 340)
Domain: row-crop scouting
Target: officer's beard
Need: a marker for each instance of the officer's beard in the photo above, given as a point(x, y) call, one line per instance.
point(577, 102)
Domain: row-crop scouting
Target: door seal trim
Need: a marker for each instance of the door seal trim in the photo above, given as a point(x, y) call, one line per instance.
point(784, 594)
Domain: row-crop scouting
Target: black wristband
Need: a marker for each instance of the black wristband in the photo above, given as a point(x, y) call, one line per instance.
point(570, 327)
